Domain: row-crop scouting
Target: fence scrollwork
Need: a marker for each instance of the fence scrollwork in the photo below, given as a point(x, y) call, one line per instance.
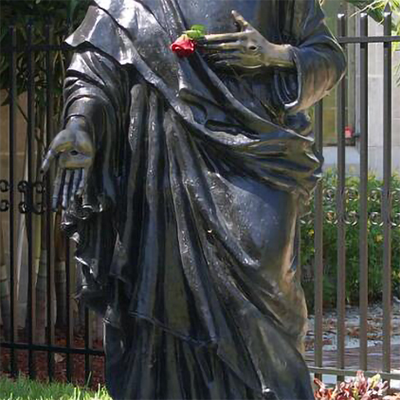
point(396, 215)
point(4, 188)
point(31, 197)
point(23, 205)
point(39, 188)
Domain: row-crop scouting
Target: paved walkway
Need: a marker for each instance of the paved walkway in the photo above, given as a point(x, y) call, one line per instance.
point(352, 343)
point(352, 358)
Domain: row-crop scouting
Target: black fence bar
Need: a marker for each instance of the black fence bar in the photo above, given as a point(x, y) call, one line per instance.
point(319, 246)
point(55, 349)
point(386, 195)
point(364, 195)
point(13, 343)
point(70, 321)
point(368, 39)
point(88, 345)
point(341, 211)
point(31, 315)
point(70, 329)
point(13, 203)
point(49, 214)
point(351, 372)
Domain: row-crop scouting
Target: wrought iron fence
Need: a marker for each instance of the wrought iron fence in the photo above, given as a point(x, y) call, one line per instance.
point(25, 204)
point(342, 219)
point(33, 244)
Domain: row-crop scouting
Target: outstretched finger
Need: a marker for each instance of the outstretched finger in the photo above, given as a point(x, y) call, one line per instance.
point(70, 188)
point(221, 37)
point(48, 159)
point(67, 181)
point(243, 24)
point(64, 141)
point(82, 182)
point(75, 184)
point(227, 64)
point(222, 57)
point(57, 186)
point(230, 46)
point(85, 177)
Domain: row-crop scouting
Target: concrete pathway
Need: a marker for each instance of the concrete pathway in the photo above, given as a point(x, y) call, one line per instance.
point(352, 343)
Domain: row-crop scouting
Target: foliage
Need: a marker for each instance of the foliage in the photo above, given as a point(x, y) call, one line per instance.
point(330, 232)
point(359, 388)
point(33, 23)
point(24, 389)
point(62, 16)
point(376, 10)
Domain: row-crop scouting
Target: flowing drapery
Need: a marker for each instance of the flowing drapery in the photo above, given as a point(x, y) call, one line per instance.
point(194, 198)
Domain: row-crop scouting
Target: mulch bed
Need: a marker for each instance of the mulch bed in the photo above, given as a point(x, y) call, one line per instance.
point(77, 362)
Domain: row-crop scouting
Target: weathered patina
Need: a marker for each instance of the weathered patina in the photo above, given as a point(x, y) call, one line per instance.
point(182, 181)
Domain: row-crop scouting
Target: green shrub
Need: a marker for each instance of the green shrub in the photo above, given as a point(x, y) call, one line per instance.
point(352, 242)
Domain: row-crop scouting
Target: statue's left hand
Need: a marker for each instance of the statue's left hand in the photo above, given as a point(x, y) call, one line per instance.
point(74, 150)
point(245, 51)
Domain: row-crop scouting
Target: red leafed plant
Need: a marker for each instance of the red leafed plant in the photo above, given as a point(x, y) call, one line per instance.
point(360, 388)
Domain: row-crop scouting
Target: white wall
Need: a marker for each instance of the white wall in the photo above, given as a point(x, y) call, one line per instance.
point(375, 109)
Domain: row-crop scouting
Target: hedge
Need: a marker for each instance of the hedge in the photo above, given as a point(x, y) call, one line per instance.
point(352, 242)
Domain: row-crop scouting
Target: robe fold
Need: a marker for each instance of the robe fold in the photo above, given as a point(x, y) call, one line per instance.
point(190, 231)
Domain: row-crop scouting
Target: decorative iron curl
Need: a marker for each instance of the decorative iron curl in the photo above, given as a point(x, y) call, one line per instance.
point(375, 195)
point(352, 194)
point(39, 188)
point(331, 217)
point(23, 188)
point(30, 192)
point(351, 217)
point(4, 188)
point(376, 218)
point(307, 219)
point(329, 195)
point(396, 201)
point(329, 199)
point(4, 205)
point(396, 220)
point(396, 195)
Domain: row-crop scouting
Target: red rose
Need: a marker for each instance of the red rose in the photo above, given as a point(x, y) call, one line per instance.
point(183, 46)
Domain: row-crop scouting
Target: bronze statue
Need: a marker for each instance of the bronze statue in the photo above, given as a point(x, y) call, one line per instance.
point(182, 180)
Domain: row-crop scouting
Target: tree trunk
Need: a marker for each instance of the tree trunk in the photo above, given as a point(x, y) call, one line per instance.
point(41, 287)
point(5, 299)
point(39, 250)
point(60, 276)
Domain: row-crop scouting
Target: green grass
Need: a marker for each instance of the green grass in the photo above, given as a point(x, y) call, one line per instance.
point(24, 389)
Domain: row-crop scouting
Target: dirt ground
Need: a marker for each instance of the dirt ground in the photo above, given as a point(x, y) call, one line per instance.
point(77, 362)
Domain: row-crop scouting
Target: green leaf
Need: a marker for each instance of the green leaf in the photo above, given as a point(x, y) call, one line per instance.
point(71, 9)
point(200, 28)
point(196, 32)
point(193, 34)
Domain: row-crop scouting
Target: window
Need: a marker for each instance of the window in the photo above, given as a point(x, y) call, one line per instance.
point(331, 9)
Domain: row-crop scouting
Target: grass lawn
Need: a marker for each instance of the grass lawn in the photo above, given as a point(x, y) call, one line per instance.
point(24, 389)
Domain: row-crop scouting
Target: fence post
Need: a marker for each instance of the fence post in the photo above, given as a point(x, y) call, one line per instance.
point(387, 195)
point(49, 216)
point(341, 208)
point(319, 256)
point(364, 194)
point(13, 197)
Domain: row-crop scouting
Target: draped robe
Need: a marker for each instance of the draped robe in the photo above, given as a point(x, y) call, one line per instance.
point(189, 232)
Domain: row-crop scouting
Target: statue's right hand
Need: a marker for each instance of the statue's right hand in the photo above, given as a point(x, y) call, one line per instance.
point(74, 150)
